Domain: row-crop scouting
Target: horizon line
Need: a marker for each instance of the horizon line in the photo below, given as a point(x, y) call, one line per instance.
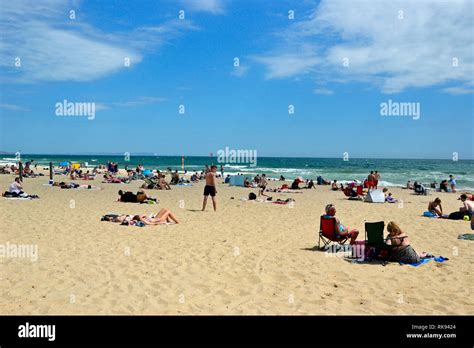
point(152, 155)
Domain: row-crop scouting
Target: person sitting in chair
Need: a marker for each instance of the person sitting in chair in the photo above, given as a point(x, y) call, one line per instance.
point(341, 230)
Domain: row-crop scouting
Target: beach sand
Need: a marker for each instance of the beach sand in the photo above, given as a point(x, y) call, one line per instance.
point(248, 258)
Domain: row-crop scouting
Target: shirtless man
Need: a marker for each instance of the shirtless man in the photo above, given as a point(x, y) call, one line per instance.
point(467, 206)
point(435, 207)
point(210, 188)
point(370, 180)
point(376, 179)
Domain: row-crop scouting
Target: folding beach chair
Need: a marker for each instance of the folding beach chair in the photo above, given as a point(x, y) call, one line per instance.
point(150, 183)
point(327, 232)
point(374, 239)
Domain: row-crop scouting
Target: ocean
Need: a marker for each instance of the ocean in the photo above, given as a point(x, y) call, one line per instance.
point(394, 172)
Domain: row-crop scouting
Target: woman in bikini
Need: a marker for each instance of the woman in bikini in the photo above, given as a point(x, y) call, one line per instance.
point(164, 216)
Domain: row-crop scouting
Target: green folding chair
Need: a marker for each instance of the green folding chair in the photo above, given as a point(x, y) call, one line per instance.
point(374, 239)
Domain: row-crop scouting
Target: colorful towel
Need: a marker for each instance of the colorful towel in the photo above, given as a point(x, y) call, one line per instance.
point(430, 214)
point(426, 260)
point(466, 236)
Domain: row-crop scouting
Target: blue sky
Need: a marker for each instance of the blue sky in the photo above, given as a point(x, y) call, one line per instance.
point(399, 50)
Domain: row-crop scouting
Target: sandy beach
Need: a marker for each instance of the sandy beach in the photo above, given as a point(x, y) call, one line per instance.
point(247, 258)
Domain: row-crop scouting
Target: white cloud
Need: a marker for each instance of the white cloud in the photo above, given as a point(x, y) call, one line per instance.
point(52, 47)
point(212, 6)
point(458, 90)
point(283, 65)
point(418, 50)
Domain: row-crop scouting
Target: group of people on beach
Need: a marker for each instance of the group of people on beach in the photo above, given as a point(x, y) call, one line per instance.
point(372, 181)
point(401, 248)
point(466, 208)
point(399, 242)
point(443, 186)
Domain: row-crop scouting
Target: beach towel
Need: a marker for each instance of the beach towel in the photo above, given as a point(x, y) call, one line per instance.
point(185, 184)
point(426, 260)
point(466, 236)
point(430, 214)
point(20, 198)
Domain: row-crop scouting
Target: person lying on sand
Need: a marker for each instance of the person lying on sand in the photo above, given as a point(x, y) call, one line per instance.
point(350, 192)
point(469, 196)
point(164, 216)
point(130, 197)
point(402, 250)
point(340, 228)
point(72, 185)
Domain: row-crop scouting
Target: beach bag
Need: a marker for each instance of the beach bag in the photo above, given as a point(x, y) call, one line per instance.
point(456, 216)
point(252, 196)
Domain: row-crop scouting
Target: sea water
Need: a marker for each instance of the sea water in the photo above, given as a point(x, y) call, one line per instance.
point(394, 172)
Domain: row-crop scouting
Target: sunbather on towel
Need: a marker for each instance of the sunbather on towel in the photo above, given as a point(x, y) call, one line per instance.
point(128, 197)
point(341, 229)
point(390, 198)
point(402, 250)
point(435, 207)
point(16, 191)
point(163, 216)
point(16, 188)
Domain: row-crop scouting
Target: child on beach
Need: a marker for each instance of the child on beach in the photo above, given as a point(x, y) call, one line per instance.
point(452, 182)
point(210, 188)
point(262, 185)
